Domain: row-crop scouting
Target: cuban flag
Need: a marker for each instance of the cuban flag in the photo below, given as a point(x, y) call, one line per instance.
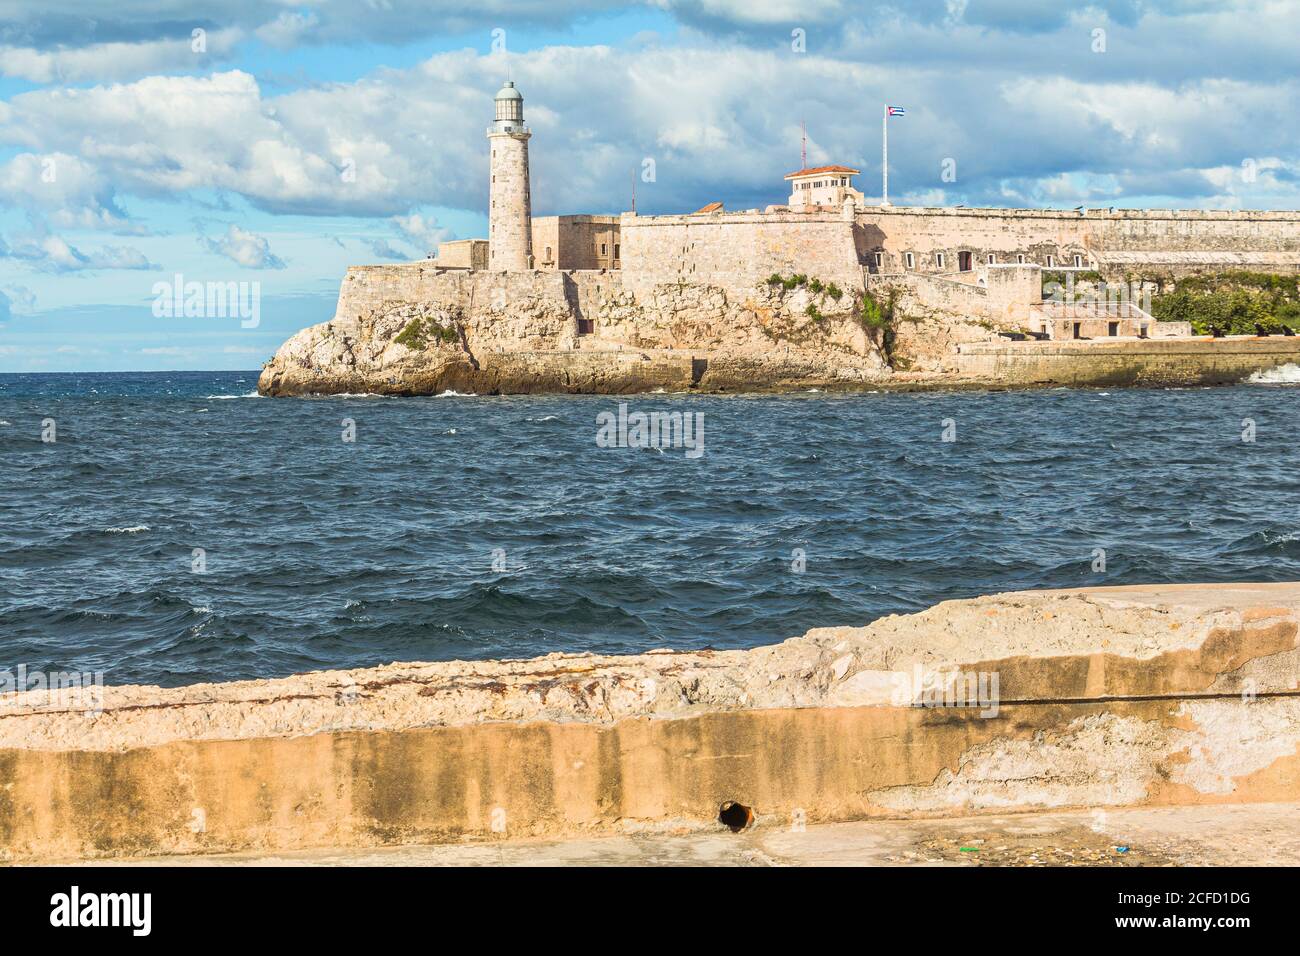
point(894, 111)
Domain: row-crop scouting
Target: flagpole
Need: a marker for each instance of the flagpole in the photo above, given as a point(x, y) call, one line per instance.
point(884, 166)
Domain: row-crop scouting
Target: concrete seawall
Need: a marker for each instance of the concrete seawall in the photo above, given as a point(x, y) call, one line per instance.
point(1090, 698)
point(1153, 362)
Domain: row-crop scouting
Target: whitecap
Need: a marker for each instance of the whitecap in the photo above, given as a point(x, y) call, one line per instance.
point(3, 422)
point(452, 393)
point(252, 394)
point(134, 529)
point(1288, 374)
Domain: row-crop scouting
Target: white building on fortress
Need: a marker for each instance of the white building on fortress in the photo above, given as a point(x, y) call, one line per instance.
point(827, 228)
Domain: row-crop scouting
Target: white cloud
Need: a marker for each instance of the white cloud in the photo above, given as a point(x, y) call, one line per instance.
point(422, 232)
point(719, 121)
point(51, 253)
point(70, 191)
point(18, 300)
point(243, 248)
point(288, 29)
point(119, 60)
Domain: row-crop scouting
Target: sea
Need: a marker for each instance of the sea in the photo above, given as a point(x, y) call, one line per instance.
point(175, 528)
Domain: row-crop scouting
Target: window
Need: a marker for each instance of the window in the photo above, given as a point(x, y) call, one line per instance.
point(1078, 262)
point(939, 260)
point(548, 254)
point(603, 249)
point(993, 260)
point(911, 260)
point(1020, 259)
point(616, 250)
point(880, 259)
point(1051, 261)
point(1112, 328)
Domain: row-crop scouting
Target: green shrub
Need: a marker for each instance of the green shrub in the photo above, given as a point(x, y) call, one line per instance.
point(1233, 301)
point(879, 317)
point(420, 331)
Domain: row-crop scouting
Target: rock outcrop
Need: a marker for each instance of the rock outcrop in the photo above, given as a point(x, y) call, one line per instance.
point(414, 329)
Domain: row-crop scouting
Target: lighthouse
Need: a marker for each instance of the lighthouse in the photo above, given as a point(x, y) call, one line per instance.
point(510, 239)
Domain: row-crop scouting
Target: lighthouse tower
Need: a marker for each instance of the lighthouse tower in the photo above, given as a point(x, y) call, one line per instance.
point(510, 230)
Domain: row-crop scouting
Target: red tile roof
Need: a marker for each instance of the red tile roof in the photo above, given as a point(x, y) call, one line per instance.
point(822, 169)
point(711, 207)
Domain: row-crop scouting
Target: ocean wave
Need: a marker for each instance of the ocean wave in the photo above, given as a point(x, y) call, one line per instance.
point(253, 394)
point(452, 393)
point(134, 529)
point(1288, 374)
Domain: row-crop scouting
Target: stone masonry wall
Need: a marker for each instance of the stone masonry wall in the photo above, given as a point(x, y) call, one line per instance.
point(510, 203)
point(576, 242)
point(753, 246)
point(1037, 234)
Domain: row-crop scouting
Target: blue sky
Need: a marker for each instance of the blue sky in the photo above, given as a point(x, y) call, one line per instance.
point(293, 139)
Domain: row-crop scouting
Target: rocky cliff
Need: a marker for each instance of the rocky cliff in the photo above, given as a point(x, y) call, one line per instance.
point(413, 329)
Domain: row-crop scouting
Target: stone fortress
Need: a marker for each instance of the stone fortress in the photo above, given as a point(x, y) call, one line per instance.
point(776, 297)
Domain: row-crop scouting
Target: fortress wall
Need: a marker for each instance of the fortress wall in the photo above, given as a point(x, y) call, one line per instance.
point(366, 288)
point(1192, 231)
point(747, 245)
point(575, 242)
point(1038, 233)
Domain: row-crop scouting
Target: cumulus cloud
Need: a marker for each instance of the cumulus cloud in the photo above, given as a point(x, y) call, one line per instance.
point(243, 248)
point(1038, 119)
point(422, 232)
point(18, 300)
point(51, 253)
point(383, 249)
point(65, 23)
point(64, 189)
point(118, 60)
point(288, 29)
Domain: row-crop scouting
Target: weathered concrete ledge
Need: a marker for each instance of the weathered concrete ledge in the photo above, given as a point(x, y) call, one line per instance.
point(1120, 363)
point(1100, 697)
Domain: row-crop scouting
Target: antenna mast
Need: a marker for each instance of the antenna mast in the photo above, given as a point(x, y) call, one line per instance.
point(803, 145)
